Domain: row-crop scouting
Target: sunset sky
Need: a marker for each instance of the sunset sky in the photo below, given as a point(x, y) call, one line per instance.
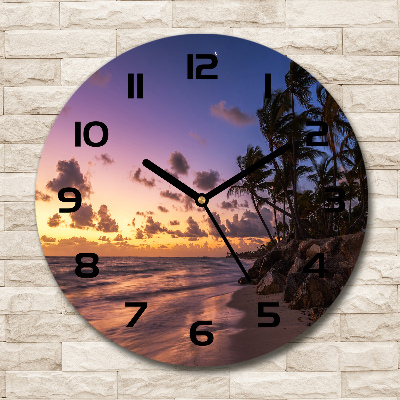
point(195, 129)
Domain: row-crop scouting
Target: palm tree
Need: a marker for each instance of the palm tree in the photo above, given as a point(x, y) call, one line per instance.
point(251, 183)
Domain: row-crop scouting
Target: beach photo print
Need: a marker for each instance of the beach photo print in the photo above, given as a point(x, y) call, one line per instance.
point(201, 200)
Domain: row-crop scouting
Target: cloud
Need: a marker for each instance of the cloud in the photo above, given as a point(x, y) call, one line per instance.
point(250, 214)
point(206, 180)
point(229, 205)
point(192, 231)
point(100, 78)
point(104, 239)
point(105, 158)
point(211, 228)
point(74, 241)
point(42, 196)
point(197, 138)
point(47, 239)
point(170, 195)
point(245, 204)
point(179, 164)
point(54, 221)
point(133, 223)
point(70, 175)
point(163, 209)
point(106, 223)
point(232, 115)
point(174, 222)
point(120, 238)
point(83, 218)
point(139, 234)
point(152, 227)
point(135, 177)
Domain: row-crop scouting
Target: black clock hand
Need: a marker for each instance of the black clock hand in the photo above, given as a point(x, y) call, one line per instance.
point(170, 179)
point(247, 171)
point(227, 243)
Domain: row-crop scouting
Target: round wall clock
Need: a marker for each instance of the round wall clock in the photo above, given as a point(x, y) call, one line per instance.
point(201, 200)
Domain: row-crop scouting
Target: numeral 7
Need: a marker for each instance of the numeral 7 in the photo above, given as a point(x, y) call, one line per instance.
point(142, 307)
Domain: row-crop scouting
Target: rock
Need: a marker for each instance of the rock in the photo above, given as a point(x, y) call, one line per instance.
point(351, 246)
point(273, 282)
point(314, 292)
point(298, 265)
point(313, 250)
point(316, 313)
point(283, 267)
point(243, 281)
point(293, 283)
point(332, 245)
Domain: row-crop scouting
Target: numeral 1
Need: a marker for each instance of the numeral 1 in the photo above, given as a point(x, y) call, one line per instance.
point(261, 313)
point(268, 89)
point(86, 133)
point(131, 86)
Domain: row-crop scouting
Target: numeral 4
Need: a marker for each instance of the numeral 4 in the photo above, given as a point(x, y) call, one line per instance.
point(320, 270)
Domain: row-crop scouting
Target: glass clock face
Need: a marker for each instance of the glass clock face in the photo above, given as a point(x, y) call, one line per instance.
point(201, 200)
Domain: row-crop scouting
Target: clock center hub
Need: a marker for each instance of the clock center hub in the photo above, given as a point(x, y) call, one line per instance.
point(202, 200)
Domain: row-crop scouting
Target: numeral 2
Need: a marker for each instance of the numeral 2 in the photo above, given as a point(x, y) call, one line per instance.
point(131, 86)
point(199, 69)
point(142, 306)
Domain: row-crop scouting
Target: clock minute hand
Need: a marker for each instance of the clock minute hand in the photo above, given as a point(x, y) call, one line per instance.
point(170, 179)
point(258, 164)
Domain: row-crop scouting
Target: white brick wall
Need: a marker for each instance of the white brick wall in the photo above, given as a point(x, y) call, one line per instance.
point(47, 49)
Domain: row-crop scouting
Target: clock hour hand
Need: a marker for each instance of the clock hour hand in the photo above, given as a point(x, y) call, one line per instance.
point(260, 163)
point(234, 255)
point(170, 179)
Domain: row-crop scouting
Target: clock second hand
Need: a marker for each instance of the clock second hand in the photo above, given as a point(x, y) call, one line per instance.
point(234, 255)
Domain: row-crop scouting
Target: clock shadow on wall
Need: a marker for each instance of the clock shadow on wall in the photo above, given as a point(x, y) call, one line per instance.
point(201, 200)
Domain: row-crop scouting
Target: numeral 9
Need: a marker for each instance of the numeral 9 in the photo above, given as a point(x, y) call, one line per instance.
point(77, 199)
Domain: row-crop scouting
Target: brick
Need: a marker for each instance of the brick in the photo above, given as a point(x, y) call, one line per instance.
point(76, 385)
point(19, 216)
point(285, 385)
point(14, 300)
point(2, 384)
point(374, 269)
point(17, 72)
point(377, 41)
point(118, 14)
point(25, 128)
point(1, 216)
point(384, 212)
point(327, 328)
point(1, 44)
point(242, 13)
point(2, 157)
point(2, 328)
point(2, 272)
point(350, 69)
point(374, 356)
point(273, 361)
point(306, 357)
point(1, 98)
point(295, 40)
point(94, 356)
point(29, 16)
point(379, 13)
point(28, 273)
point(370, 327)
point(371, 98)
point(60, 43)
point(20, 244)
point(380, 241)
point(187, 383)
point(380, 155)
point(36, 99)
point(75, 71)
point(375, 127)
point(129, 38)
point(30, 356)
point(36, 328)
point(22, 157)
point(370, 383)
point(366, 299)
